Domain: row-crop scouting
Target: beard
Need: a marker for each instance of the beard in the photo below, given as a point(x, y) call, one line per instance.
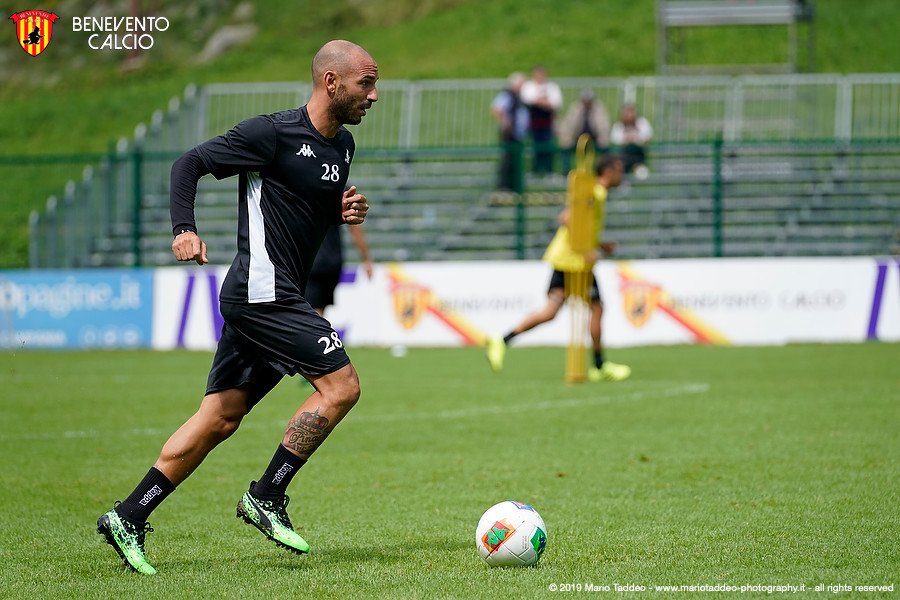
point(344, 108)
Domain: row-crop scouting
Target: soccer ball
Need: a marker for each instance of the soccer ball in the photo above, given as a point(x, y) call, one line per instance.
point(511, 534)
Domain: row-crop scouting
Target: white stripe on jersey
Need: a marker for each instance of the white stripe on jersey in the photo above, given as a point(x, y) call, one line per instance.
point(261, 278)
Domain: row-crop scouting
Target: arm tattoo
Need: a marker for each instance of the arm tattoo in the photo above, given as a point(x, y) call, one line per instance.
point(306, 432)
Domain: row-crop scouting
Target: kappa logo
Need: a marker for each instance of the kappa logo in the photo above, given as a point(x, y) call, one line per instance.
point(306, 151)
point(284, 470)
point(347, 159)
point(150, 495)
point(33, 30)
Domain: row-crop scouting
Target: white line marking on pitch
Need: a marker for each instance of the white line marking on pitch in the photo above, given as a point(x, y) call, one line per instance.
point(691, 388)
point(678, 390)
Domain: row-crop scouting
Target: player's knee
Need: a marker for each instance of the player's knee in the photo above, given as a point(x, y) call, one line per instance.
point(555, 299)
point(223, 426)
point(339, 390)
point(350, 392)
point(221, 413)
point(548, 313)
point(346, 392)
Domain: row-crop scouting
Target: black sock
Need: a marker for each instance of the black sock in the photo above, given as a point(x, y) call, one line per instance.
point(598, 359)
point(281, 471)
point(149, 494)
point(508, 337)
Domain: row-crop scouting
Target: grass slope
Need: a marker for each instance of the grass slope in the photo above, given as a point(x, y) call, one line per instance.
point(739, 466)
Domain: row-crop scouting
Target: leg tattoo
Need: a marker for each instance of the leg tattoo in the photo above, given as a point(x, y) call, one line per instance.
point(306, 432)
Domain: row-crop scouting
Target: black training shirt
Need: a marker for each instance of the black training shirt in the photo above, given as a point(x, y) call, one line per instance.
point(291, 181)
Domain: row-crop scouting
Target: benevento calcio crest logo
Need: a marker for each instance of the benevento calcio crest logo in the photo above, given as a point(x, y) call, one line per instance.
point(33, 30)
point(640, 300)
point(410, 301)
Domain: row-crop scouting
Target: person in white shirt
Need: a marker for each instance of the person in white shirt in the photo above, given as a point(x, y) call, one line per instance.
point(631, 134)
point(544, 99)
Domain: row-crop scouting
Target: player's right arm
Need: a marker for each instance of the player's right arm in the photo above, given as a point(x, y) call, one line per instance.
point(249, 146)
point(188, 246)
point(186, 172)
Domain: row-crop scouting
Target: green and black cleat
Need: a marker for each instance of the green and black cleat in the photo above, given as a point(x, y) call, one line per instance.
point(127, 538)
point(270, 517)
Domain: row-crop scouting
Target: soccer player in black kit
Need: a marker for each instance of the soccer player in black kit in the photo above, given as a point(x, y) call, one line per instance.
point(292, 168)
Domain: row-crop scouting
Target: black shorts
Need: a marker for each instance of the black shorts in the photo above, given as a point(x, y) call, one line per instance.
point(320, 288)
point(261, 343)
point(558, 280)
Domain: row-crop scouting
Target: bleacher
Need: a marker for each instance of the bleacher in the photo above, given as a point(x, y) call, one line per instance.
point(775, 200)
point(779, 200)
point(748, 195)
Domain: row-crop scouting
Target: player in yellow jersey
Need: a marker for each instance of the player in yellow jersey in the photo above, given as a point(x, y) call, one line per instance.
point(560, 254)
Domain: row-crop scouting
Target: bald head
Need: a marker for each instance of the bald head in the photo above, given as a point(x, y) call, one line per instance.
point(339, 56)
point(344, 77)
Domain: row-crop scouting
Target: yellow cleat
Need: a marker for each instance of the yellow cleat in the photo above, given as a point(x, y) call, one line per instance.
point(496, 351)
point(610, 371)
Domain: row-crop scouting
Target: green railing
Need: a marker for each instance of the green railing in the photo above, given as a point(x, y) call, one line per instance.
point(744, 108)
point(701, 199)
point(824, 183)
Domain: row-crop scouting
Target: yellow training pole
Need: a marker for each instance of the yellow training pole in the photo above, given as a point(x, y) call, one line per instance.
point(583, 238)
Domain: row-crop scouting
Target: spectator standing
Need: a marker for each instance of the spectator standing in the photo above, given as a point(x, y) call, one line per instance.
point(585, 115)
point(544, 99)
point(631, 134)
point(512, 117)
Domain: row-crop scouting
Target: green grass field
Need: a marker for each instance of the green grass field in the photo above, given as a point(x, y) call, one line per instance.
point(711, 466)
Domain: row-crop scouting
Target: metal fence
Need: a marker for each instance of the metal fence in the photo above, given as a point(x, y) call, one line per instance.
point(700, 200)
point(98, 220)
point(428, 155)
point(452, 113)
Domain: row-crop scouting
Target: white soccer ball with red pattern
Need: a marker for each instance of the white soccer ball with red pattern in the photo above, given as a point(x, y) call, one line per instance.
point(511, 534)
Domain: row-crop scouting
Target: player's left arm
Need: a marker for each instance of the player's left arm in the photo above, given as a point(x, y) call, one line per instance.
point(354, 207)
